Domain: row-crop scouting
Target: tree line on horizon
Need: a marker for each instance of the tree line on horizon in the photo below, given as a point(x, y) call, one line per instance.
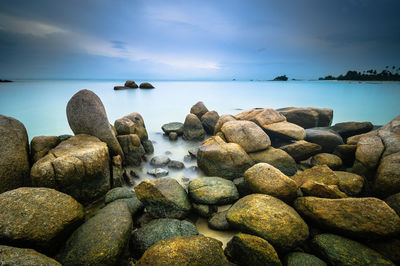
point(369, 75)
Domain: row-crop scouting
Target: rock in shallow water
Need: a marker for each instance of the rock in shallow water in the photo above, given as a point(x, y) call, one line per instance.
point(158, 172)
point(176, 127)
point(159, 161)
point(192, 128)
point(199, 109)
point(213, 191)
point(209, 120)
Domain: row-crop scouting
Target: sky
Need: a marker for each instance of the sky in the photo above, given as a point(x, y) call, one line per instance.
point(204, 40)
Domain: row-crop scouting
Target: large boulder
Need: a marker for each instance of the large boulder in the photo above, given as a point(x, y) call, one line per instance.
point(127, 195)
point(41, 145)
point(78, 166)
point(348, 129)
point(277, 158)
point(221, 121)
point(338, 250)
point(301, 150)
point(347, 153)
point(359, 217)
point(285, 131)
point(266, 179)
point(391, 141)
point(387, 179)
point(394, 202)
point(24, 256)
point(327, 139)
point(247, 134)
point(245, 249)
point(332, 161)
point(132, 123)
point(369, 151)
point(199, 109)
point(86, 115)
point(100, 240)
point(320, 173)
point(308, 117)
point(164, 198)
point(39, 218)
point(157, 230)
point(192, 128)
point(185, 250)
point(14, 154)
point(350, 183)
point(209, 120)
point(218, 158)
point(269, 218)
point(132, 148)
point(261, 117)
point(213, 191)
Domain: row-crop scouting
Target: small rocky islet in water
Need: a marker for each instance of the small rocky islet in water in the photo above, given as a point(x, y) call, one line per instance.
point(296, 190)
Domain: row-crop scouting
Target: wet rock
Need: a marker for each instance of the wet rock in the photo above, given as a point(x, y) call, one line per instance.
point(301, 150)
point(78, 166)
point(346, 152)
point(41, 145)
point(266, 179)
point(217, 158)
point(146, 85)
point(387, 180)
point(199, 109)
point(14, 154)
point(164, 198)
point(39, 218)
point(269, 218)
point(86, 115)
point(312, 188)
point(221, 121)
point(100, 240)
point(132, 148)
point(173, 136)
point(348, 129)
point(394, 202)
point(359, 217)
point(176, 165)
point(204, 210)
point(131, 84)
point(209, 120)
point(277, 158)
point(192, 128)
point(332, 161)
point(327, 139)
point(185, 250)
point(176, 127)
point(301, 258)
point(285, 130)
point(159, 161)
point(247, 134)
point(320, 173)
point(350, 183)
point(218, 221)
point(338, 250)
point(261, 116)
point(159, 229)
point(158, 172)
point(22, 256)
point(148, 146)
point(213, 191)
point(245, 249)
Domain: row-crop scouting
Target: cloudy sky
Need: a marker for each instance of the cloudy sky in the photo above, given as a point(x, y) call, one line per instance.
point(204, 39)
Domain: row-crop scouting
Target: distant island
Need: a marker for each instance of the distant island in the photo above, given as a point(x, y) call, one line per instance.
point(369, 75)
point(281, 78)
point(5, 80)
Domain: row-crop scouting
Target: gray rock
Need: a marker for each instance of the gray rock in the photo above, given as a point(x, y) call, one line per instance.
point(148, 146)
point(304, 117)
point(218, 222)
point(22, 256)
point(158, 172)
point(327, 139)
point(119, 193)
point(209, 120)
point(176, 165)
point(204, 210)
point(213, 191)
point(199, 109)
point(176, 127)
point(192, 128)
point(160, 160)
point(41, 145)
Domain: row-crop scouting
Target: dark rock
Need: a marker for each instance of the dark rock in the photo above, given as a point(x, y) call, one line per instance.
point(301, 258)
point(192, 128)
point(327, 139)
point(304, 117)
point(118, 88)
point(285, 130)
point(277, 158)
point(176, 165)
point(199, 109)
point(131, 84)
point(173, 136)
point(159, 161)
point(261, 117)
point(148, 146)
point(388, 248)
point(348, 129)
point(346, 152)
point(146, 85)
point(64, 137)
point(86, 115)
point(163, 198)
point(332, 161)
point(41, 145)
point(242, 187)
point(387, 180)
point(132, 148)
point(350, 183)
point(394, 202)
point(221, 121)
point(100, 240)
point(218, 221)
point(301, 150)
point(39, 218)
point(176, 127)
point(14, 154)
point(22, 256)
point(209, 120)
point(204, 210)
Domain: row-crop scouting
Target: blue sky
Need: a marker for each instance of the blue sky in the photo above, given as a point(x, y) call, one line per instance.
point(196, 39)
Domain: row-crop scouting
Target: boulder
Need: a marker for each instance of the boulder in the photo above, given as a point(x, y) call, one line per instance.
point(277, 158)
point(388, 248)
point(347, 153)
point(209, 120)
point(78, 166)
point(213, 191)
point(320, 173)
point(218, 221)
point(131, 84)
point(185, 250)
point(350, 183)
point(39, 218)
point(369, 151)
point(358, 217)
point(158, 172)
point(348, 129)
point(217, 158)
point(40, 146)
point(387, 179)
point(304, 117)
point(176, 127)
point(159, 229)
point(244, 249)
point(148, 146)
point(163, 198)
point(327, 139)
point(394, 202)
point(301, 150)
point(332, 161)
point(261, 117)
point(132, 123)
point(241, 186)
point(86, 115)
point(269, 218)
point(160, 160)
point(301, 258)
point(325, 116)
point(204, 210)
point(24, 256)
point(100, 240)
point(391, 141)
point(266, 179)
point(199, 109)
point(221, 121)
point(192, 128)
point(285, 130)
point(247, 134)
point(338, 250)
point(132, 148)
point(146, 85)
point(14, 154)
point(127, 195)
point(312, 188)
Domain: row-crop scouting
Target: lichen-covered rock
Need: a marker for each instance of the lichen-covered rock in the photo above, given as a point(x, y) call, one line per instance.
point(350, 183)
point(40, 218)
point(269, 218)
point(204, 210)
point(360, 217)
point(247, 134)
point(157, 230)
point(348, 129)
point(266, 179)
point(218, 221)
point(132, 148)
point(199, 109)
point(387, 179)
point(213, 191)
point(285, 130)
point(24, 256)
point(277, 158)
point(301, 258)
point(218, 158)
point(40, 146)
point(146, 85)
point(261, 116)
point(176, 127)
point(192, 128)
point(86, 115)
point(125, 194)
point(221, 121)
point(312, 188)
point(301, 150)
point(101, 239)
point(132, 123)
point(209, 120)
point(338, 250)
point(332, 161)
point(245, 249)
point(320, 173)
point(78, 166)
point(163, 198)
point(327, 139)
point(14, 154)
point(185, 250)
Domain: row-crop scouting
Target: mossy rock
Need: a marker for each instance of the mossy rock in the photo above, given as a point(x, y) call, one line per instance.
point(24, 256)
point(213, 191)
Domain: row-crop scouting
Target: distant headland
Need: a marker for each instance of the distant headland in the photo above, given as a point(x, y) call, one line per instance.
point(388, 74)
point(5, 80)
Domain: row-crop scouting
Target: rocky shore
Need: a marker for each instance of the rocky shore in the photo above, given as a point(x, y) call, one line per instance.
point(290, 188)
